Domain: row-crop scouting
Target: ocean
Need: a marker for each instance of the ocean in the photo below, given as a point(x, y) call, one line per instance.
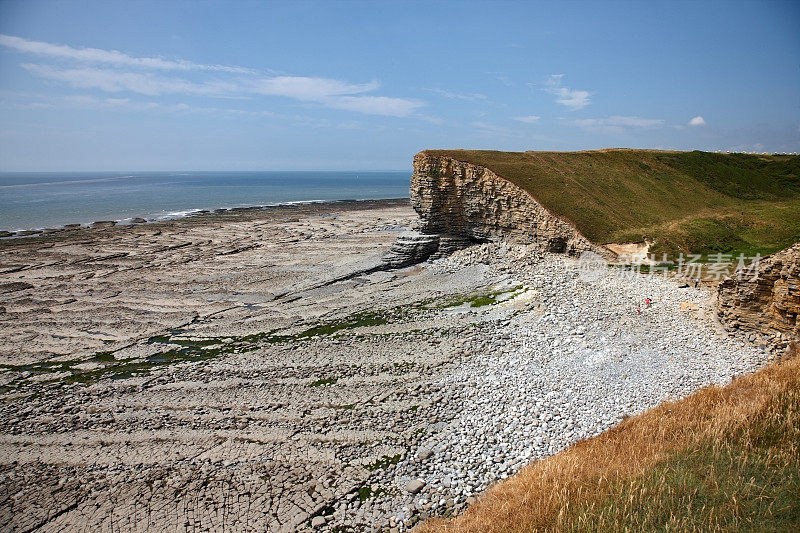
point(36, 200)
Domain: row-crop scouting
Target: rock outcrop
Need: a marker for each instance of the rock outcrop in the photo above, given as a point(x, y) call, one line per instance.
point(461, 203)
point(767, 304)
point(410, 248)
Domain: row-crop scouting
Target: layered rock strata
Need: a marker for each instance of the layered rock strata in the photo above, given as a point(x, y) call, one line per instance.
point(410, 248)
point(766, 304)
point(460, 203)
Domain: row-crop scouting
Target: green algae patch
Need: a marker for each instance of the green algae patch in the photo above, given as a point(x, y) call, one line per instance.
point(323, 382)
point(482, 299)
point(357, 320)
point(180, 346)
point(383, 463)
point(366, 492)
point(103, 357)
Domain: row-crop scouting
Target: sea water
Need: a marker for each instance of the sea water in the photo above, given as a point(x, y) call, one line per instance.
point(36, 200)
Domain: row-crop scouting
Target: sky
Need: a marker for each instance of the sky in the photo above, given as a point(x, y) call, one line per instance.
point(238, 85)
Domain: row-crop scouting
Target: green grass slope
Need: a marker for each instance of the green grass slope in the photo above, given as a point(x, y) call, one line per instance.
point(693, 202)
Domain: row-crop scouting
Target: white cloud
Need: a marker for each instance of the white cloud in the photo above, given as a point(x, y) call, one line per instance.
point(571, 98)
point(697, 121)
point(472, 97)
point(618, 124)
point(117, 81)
point(36, 105)
point(502, 78)
point(297, 87)
point(112, 71)
point(617, 120)
point(530, 119)
point(492, 130)
point(113, 57)
point(303, 88)
point(83, 101)
point(436, 121)
point(127, 104)
point(374, 105)
point(330, 93)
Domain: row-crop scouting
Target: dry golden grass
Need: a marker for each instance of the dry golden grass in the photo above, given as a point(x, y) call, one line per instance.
point(723, 459)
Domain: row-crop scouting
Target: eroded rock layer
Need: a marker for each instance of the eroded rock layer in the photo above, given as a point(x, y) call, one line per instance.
point(767, 304)
point(465, 203)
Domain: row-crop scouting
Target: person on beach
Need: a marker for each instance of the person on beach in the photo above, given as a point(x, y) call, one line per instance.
point(647, 302)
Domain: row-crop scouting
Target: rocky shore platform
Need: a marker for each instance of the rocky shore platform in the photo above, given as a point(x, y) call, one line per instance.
point(262, 370)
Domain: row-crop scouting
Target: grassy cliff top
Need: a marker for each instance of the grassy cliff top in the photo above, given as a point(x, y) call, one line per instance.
point(696, 202)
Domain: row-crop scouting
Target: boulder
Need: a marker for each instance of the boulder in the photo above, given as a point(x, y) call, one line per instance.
point(410, 248)
point(415, 485)
point(425, 453)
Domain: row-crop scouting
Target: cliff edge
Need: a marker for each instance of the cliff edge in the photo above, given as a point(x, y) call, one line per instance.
point(766, 304)
point(678, 202)
point(461, 203)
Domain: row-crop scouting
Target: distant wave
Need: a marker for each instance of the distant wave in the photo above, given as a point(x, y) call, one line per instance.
point(183, 213)
point(173, 214)
point(35, 200)
point(65, 182)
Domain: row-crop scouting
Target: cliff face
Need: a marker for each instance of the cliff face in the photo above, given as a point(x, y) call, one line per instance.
point(767, 305)
point(461, 203)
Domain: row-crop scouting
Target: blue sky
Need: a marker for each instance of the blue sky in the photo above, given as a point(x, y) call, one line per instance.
point(365, 85)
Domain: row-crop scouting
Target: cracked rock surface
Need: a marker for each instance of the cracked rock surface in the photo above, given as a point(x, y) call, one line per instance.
point(254, 370)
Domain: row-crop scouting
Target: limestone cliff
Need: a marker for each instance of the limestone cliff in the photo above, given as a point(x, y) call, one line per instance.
point(460, 203)
point(768, 304)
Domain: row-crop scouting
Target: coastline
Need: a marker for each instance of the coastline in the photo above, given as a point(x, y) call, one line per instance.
point(244, 364)
point(206, 215)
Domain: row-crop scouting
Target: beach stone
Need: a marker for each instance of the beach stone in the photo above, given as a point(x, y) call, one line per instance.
point(415, 485)
point(14, 286)
point(318, 521)
point(89, 365)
